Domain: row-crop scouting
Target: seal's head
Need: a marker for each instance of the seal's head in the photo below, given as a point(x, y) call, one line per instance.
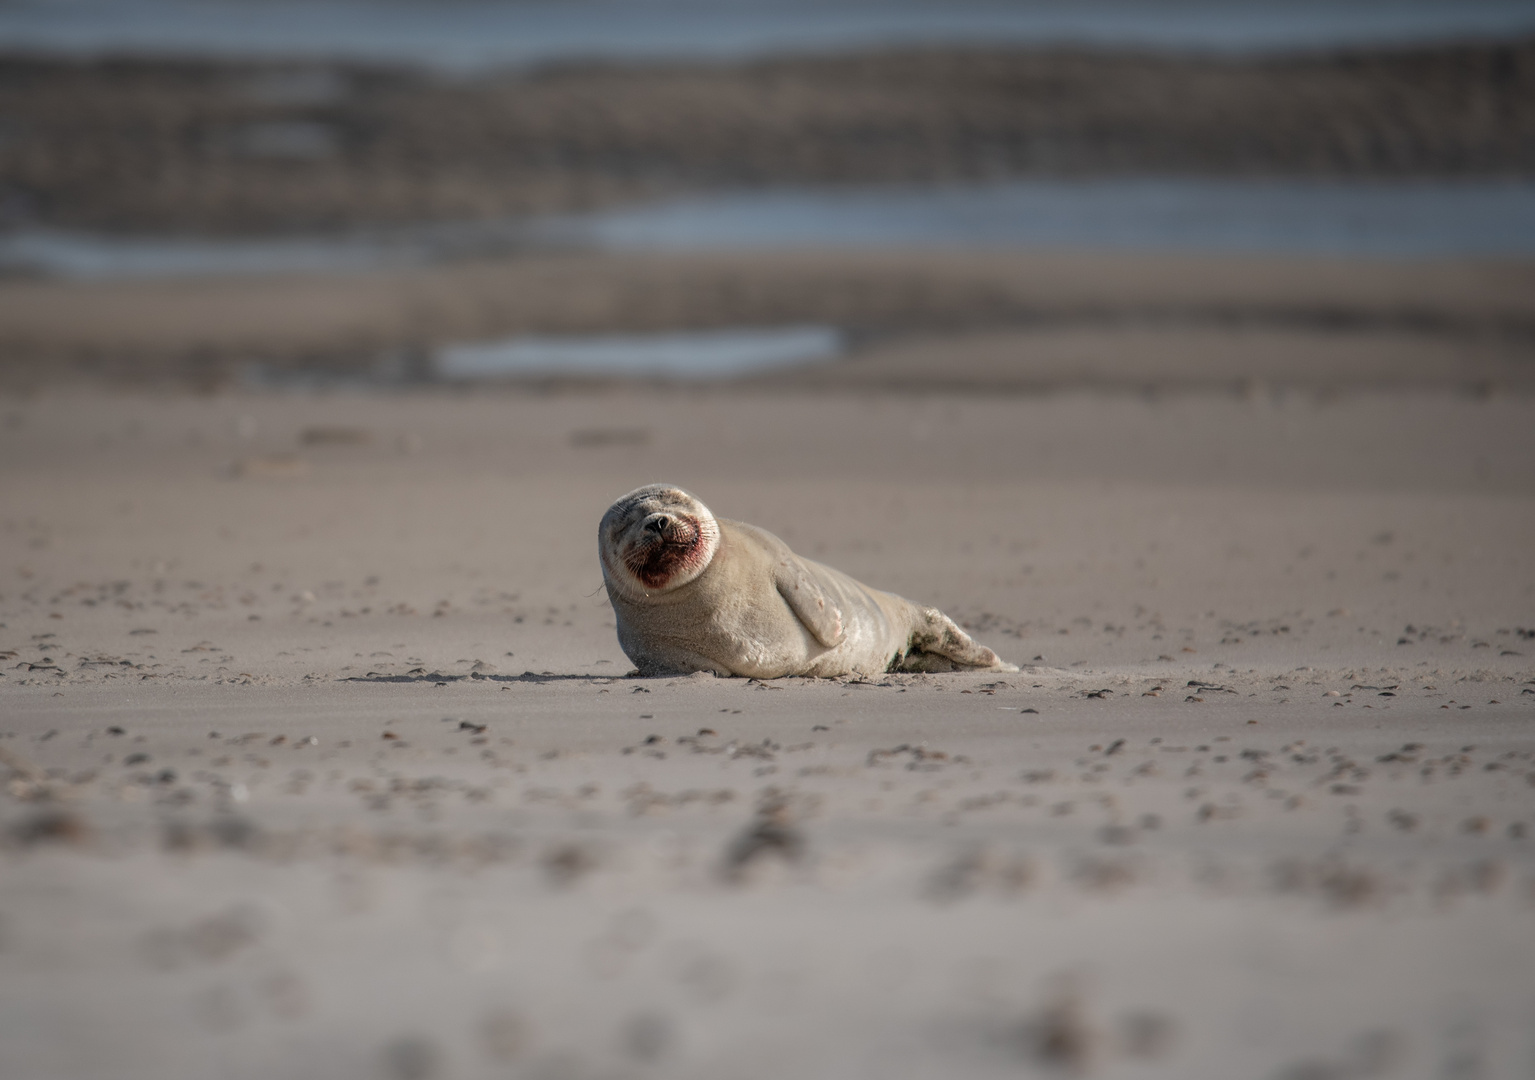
point(655, 539)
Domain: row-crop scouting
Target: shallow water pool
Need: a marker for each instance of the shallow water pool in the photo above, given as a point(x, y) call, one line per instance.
point(704, 354)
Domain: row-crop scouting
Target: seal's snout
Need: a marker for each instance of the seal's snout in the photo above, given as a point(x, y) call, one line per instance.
point(666, 546)
point(659, 536)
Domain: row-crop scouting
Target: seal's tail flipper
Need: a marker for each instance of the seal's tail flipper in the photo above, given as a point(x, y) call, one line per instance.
point(939, 645)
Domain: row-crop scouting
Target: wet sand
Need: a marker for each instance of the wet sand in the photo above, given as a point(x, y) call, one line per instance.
point(320, 756)
point(916, 320)
point(136, 145)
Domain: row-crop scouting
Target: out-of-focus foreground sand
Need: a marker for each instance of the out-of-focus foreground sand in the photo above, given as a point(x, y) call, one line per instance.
point(321, 759)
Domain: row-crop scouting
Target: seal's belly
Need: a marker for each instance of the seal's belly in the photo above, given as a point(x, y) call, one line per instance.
point(760, 636)
point(748, 631)
point(874, 639)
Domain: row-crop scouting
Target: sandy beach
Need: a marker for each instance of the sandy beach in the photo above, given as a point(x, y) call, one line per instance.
point(319, 756)
point(322, 759)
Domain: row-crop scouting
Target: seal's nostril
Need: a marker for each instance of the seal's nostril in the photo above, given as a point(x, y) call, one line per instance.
point(658, 524)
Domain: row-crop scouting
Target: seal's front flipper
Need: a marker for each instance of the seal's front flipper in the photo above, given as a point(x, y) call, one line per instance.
point(806, 599)
point(937, 636)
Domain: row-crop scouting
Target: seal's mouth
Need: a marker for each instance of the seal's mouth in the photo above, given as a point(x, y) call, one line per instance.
point(668, 544)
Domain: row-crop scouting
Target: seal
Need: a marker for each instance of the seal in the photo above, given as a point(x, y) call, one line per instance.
point(693, 592)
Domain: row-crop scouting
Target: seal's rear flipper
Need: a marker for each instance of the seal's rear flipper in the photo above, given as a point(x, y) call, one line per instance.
point(939, 645)
point(918, 662)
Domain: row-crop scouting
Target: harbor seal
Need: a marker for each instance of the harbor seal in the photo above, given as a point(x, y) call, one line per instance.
point(693, 592)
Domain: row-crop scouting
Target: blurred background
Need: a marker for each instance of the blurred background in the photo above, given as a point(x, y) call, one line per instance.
point(912, 193)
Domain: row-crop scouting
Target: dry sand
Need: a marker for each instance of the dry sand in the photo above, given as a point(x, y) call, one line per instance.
point(321, 759)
